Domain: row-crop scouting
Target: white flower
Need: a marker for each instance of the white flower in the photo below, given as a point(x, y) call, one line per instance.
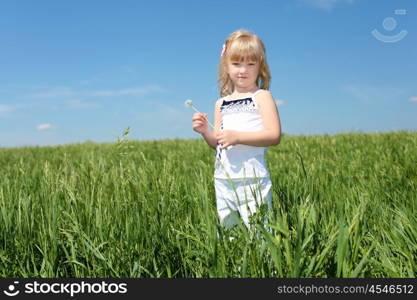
point(189, 103)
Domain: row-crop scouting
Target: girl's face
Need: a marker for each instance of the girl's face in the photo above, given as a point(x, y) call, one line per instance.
point(243, 73)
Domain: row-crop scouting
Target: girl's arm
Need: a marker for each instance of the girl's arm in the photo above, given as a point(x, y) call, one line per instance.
point(210, 138)
point(269, 136)
point(208, 135)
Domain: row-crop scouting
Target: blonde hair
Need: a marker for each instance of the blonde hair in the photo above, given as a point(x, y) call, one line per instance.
point(243, 45)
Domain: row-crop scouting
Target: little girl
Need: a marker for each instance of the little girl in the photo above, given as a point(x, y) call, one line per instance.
point(246, 122)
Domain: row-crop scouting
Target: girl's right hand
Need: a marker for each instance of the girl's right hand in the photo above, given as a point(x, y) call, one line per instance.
point(200, 123)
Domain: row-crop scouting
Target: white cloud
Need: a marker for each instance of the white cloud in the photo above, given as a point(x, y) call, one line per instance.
point(63, 97)
point(80, 104)
point(53, 92)
point(5, 109)
point(167, 113)
point(90, 80)
point(280, 102)
point(43, 127)
point(412, 99)
point(372, 93)
point(65, 92)
point(326, 5)
point(129, 69)
point(137, 91)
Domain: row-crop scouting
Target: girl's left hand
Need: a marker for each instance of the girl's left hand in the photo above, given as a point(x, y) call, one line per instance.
point(227, 138)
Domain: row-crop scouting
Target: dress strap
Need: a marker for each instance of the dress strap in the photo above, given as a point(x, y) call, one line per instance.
point(253, 98)
point(256, 92)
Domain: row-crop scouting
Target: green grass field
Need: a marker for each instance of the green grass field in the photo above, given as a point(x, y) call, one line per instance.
point(343, 206)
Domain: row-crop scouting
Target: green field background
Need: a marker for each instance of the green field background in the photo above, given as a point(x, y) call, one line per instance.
point(343, 206)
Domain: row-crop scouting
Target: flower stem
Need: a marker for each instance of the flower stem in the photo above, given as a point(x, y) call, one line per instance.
point(211, 125)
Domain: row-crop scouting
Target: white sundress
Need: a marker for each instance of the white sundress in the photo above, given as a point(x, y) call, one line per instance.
point(241, 177)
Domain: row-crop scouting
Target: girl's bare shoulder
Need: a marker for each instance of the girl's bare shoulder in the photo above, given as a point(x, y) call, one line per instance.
point(263, 96)
point(220, 101)
point(261, 93)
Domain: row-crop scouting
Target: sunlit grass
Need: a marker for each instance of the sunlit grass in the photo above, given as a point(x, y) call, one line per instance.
point(343, 206)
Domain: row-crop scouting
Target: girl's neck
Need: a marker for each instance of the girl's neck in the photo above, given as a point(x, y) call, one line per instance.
point(242, 91)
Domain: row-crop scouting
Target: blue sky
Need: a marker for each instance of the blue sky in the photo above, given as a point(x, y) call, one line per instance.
point(72, 71)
